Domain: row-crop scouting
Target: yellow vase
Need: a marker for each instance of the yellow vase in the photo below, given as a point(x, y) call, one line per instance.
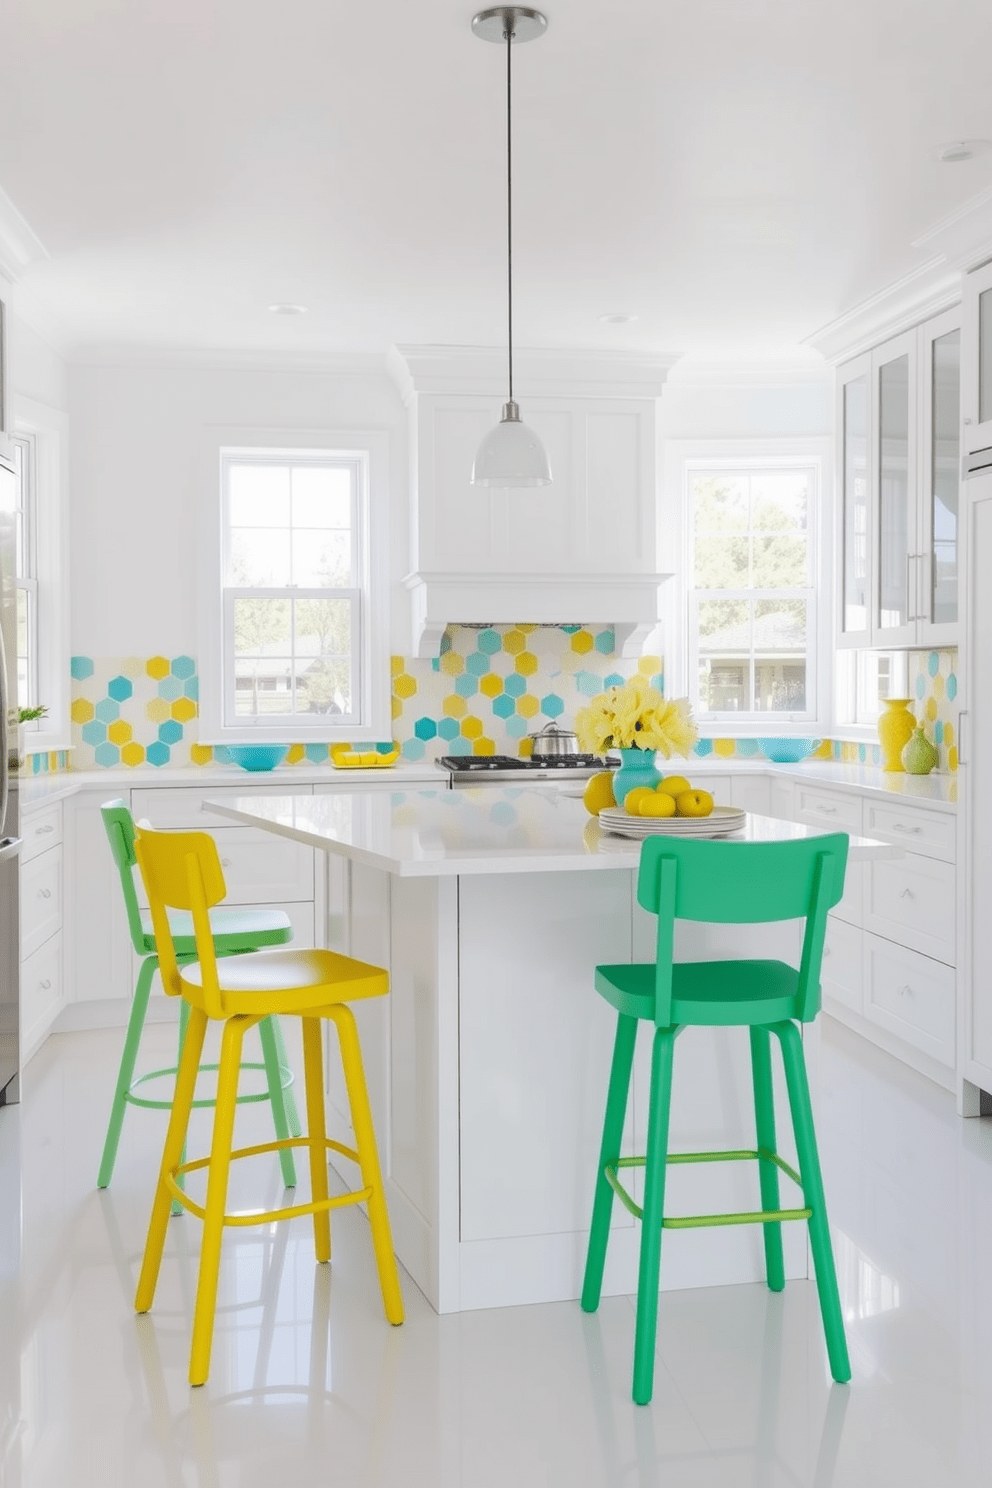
point(895, 729)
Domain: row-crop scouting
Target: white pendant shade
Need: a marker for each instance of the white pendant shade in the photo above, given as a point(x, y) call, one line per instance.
point(511, 455)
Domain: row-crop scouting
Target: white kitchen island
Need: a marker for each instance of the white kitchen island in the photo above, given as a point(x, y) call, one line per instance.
point(488, 1063)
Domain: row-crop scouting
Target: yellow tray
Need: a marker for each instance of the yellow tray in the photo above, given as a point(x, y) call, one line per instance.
point(343, 757)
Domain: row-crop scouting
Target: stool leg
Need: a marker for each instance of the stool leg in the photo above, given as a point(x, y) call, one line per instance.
point(809, 1170)
point(177, 1208)
point(368, 1156)
point(649, 1269)
point(602, 1206)
point(273, 1075)
point(175, 1138)
point(288, 1098)
point(217, 1176)
point(764, 1120)
point(129, 1058)
point(313, 1075)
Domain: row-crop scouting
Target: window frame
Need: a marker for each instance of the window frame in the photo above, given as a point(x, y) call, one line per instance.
point(47, 429)
point(368, 450)
point(684, 459)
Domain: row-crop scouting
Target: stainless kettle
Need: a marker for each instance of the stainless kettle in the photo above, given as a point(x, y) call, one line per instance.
point(553, 742)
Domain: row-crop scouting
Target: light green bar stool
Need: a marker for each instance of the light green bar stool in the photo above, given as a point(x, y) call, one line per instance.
point(235, 932)
point(720, 883)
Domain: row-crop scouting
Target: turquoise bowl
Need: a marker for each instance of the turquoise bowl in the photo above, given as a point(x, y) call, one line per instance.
point(257, 756)
point(788, 751)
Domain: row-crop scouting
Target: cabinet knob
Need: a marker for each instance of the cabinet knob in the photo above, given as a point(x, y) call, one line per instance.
point(44, 893)
point(45, 985)
point(906, 991)
point(906, 894)
point(225, 862)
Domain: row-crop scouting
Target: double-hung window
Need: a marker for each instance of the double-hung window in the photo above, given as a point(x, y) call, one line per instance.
point(752, 591)
point(292, 650)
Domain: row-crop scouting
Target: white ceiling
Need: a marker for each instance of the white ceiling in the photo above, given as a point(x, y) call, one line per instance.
point(737, 173)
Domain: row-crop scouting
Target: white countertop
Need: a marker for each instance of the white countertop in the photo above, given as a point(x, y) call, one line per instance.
point(485, 829)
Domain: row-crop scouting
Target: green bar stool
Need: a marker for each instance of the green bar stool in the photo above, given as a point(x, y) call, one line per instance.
point(235, 931)
point(722, 883)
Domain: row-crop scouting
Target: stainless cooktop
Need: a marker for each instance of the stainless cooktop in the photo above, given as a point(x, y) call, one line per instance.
point(479, 769)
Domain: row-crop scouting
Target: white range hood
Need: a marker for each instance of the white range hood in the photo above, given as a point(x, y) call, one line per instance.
point(582, 551)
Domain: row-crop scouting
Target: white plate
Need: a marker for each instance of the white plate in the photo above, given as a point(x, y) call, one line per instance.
point(721, 820)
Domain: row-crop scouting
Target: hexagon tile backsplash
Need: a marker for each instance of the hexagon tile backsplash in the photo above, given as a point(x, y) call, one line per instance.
point(488, 690)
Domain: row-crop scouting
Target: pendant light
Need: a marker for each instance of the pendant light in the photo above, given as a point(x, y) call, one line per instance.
point(511, 454)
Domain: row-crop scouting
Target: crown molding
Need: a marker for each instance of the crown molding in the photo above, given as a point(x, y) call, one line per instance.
point(928, 289)
point(537, 372)
point(193, 359)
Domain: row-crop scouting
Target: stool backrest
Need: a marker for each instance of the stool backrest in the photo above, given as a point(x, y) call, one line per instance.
point(119, 826)
point(743, 883)
point(181, 870)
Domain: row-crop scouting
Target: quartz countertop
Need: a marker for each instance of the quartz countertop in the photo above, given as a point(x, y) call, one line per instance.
point(485, 829)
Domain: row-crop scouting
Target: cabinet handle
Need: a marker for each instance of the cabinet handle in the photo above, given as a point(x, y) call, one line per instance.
point(910, 588)
point(906, 991)
point(964, 727)
point(44, 985)
point(824, 810)
point(901, 827)
point(44, 893)
point(225, 862)
point(40, 831)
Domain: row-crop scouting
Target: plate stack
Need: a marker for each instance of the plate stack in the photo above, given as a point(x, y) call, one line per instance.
point(721, 821)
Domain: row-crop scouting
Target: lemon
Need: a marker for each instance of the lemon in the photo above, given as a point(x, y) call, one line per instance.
point(674, 785)
point(694, 803)
point(658, 804)
point(632, 800)
point(598, 793)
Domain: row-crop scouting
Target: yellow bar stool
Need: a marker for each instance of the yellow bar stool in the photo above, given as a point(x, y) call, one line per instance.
point(182, 871)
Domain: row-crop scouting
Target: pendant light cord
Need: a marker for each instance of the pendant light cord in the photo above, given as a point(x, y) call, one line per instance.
point(509, 215)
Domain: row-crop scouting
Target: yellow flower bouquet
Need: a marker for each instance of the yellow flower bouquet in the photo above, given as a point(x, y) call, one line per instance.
point(636, 716)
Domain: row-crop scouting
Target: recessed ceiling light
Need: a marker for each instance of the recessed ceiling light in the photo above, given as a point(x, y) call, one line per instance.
point(957, 150)
point(617, 318)
point(288, 309)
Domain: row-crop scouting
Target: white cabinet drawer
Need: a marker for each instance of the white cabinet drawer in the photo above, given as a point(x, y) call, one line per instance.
point(41, 899)
point(842, 973)
point(181, 809)
point(911, 900)
point(41, 828)
point(259, 867)
point(40, 994)
point(827, 809)
point(918, 830)
point(911, 996)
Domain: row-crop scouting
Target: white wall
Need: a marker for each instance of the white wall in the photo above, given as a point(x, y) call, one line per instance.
point(747, 402)
point(36, 371)
point(136, 479)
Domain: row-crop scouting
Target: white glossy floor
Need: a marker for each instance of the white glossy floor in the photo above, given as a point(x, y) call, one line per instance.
point(309, 1385)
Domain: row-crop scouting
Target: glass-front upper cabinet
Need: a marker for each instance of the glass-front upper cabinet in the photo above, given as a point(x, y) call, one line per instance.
point(976, 366)
point(899, 424)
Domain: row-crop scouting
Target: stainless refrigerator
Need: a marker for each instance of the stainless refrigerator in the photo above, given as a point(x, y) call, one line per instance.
point(9, 817)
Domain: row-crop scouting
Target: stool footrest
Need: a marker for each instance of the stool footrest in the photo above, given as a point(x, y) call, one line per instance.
point(317, 1206)
point(701, 1221)
point(286, 1079)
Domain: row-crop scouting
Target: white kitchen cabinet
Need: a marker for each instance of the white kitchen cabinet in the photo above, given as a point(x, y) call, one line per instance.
point(41, 909)
point(976, 370)
point(898, 420)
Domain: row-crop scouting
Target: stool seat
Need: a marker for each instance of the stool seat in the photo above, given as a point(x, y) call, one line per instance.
point(234, 930)
point(286, 981)
point(706, 993)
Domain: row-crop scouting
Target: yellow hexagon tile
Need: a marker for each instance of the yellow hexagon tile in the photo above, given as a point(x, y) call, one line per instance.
point(725, 748)
point(404, 685)
point(452, 665)
point(119, 732)
point(82, 710)
point(527, 705)
point(395, 665)
point(948, 734)
point(454, 706)
point(526, 748)
point(581, 641)
point(527, 629)
point(938, 686)
point(514, 641)
point(183, 709)
point(132, 666)
point(931, 710)
point(158, 667)
point(295, 753)
point(201, 754)
point(484, 746)
point(472, 727)
point(526, 664)
point(649, 665)
point(132, 754)
point(491, 685)
point(158, 709)
point(952, 757)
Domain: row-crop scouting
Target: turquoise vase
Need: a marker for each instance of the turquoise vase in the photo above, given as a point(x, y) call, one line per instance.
point(636, 768)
